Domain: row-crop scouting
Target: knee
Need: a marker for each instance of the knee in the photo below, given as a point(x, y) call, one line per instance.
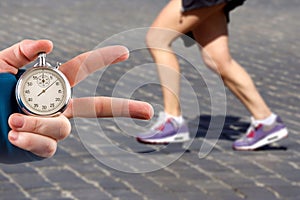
point(150, 38)
point(158, 38)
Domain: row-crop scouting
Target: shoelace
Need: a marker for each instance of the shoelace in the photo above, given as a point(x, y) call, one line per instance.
point(160, 121)
point(251, 130)
point(162, 126)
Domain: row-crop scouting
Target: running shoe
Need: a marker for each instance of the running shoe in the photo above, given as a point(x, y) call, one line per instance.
point(165, 131)
point(259, 135)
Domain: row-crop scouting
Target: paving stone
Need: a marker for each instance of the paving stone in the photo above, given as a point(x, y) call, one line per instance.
point(29, 181)
point(66, 179)
point(90, 193)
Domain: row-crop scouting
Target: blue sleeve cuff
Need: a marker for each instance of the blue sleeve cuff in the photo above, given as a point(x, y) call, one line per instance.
point(9, 153)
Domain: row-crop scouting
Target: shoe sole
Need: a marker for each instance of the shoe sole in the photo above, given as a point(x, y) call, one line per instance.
point(279, 135)
point(178, 138)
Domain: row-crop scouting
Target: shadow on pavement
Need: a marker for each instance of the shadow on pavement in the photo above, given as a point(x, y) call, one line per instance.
point(234, 128)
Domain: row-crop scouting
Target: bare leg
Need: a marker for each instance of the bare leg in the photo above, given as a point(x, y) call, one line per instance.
point(213, 36)
point(209, 27)
point(169, 25)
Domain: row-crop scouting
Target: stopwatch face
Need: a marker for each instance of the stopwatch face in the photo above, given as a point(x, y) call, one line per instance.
point(43, 91)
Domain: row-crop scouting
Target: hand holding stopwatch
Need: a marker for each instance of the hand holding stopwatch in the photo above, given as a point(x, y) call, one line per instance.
point(43, 90)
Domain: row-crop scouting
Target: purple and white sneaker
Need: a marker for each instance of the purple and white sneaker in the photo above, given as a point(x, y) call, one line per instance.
point(260, 135)
point(165, 131)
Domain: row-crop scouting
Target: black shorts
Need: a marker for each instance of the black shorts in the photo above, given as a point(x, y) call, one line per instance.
point(188, 5)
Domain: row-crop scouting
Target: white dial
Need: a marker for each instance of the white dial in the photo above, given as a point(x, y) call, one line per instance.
point(43, 91)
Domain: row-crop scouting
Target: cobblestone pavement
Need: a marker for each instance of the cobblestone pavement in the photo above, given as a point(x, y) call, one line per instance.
point(101, 159)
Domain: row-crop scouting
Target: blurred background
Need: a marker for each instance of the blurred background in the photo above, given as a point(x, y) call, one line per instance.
point(264, 38)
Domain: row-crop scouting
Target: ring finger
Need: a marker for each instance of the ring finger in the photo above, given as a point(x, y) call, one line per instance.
point(57, 128)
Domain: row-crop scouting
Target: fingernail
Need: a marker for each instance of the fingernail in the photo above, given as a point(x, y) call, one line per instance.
point(151, 111)
point(17, 121)
point(13, 135)
point(124, 55)
point(122, 58)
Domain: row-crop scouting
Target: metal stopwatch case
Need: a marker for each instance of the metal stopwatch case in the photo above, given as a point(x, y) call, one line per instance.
point(43, 90)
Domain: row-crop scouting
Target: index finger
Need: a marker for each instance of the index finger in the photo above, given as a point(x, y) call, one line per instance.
point(84, 64)
point(95, 107)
